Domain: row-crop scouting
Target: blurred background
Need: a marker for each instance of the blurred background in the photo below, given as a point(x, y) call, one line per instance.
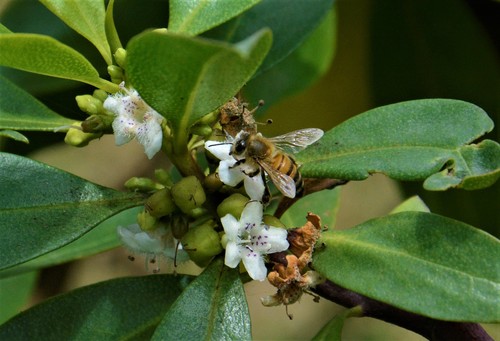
point(383, 52)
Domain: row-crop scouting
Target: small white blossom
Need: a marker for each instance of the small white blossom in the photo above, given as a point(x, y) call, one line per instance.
point(249, 239)
point(232, 175)
point(159, 242)
point(134, 118)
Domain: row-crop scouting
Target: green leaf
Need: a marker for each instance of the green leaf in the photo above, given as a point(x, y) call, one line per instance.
point(325, 203)
point(197, 16)
point(120, 309)
point(14, 294)
point(420, 262)
point(406, 141)
point(478, 166)
point(85, 17)
point(111, 33)
point(185, 78)
point(21, 111)
point(101, 238)
point(47, 56)
point(411, 204)
point(213, 307)
point(15, 135)
point(332, 331)
point(297, 71)
point(43, 208)
point(4, 29)
point(290, 24)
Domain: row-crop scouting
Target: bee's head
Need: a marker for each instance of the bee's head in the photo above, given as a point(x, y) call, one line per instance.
point(240, 143)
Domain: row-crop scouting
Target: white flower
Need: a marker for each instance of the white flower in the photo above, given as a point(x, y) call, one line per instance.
point(159, 242)
point(232, 175)
point(134, 118)
point(249, 239)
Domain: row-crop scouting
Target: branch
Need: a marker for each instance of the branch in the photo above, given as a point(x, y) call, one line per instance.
point(429, 328)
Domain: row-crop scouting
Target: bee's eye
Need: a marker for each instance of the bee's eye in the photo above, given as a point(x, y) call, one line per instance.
point(240, 146)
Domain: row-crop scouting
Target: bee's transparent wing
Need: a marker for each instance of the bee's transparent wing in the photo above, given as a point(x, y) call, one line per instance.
point(297, 140)
point(284, 183)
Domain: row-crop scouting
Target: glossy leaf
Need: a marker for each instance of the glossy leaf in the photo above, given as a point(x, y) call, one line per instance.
point(325, 203)
point(43, 208)
point(14, 294)
point(290, 23)
point(213, 307)
point(185, 78)
point(101, 238)
point(85, 17)
point(21, 111)
point(420, 262)
point(120, 309)
point(411, 204)
point(297, 71)
point(196, 16)
point(111, 33)
point(406, 141)
point(479, 168)
point(4, 29)
point(332, 331)
point(47, 56)
point(15, 135)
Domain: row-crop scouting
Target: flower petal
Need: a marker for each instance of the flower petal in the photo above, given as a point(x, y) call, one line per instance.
point(276, 238)
point(254, 264)
point(231, 227)
point(251, 217)
point(254, 186)
point(228, 175)
point(219, 149)
point(233, 255)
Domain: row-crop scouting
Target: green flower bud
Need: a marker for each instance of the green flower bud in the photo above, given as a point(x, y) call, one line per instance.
point(121, 57)
point(97, 124)
point(180, 225)
point(116, 73)
point(212, 182)
point(233, 205)
point(142, 184)
point(202, 243)
point(163, 177)
point(188, 194)
point(271, 220)
point(77, 138)
point(89, 104)
point(100, 95)
point(201, 129)
point(160, 203)
point(146, 221)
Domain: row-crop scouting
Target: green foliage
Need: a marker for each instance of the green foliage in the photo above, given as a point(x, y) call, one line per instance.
point(85, 17)
point(417, 261)
point(332, 331)
point(47, 56)
point(290, 24)
point(299, 70)
point(195, 17)
point(185, 78)
point(213, 307)
point(118, 309)
point(14, 293)
point(408, 141)
point(411, 259)
point(37, 218)
point(101, 238)
point(21, 111)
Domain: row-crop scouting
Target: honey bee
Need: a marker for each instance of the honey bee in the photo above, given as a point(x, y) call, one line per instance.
point(254, 152)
